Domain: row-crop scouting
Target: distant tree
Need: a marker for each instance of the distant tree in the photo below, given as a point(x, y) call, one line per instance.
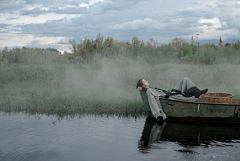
point(65, 53)
point(135, 42)
point(192, 40)
point(108, 42)
point(178, 41)
point(142, 43)
point(237, 45)
point(74, 47)
point(220, 42)
point(228, 45)
point(152, 42)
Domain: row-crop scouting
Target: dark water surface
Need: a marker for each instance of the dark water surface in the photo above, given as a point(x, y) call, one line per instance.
point(101, 138)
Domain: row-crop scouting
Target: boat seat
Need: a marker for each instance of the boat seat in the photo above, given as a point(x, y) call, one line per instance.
point(145, 102)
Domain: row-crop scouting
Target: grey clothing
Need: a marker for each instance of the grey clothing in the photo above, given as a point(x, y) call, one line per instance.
point(154, 103)
point(156, 132)
point(153, 96)
point(185, 85)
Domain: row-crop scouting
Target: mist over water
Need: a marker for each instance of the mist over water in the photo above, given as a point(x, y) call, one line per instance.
point(114, 76)
point(107, 82)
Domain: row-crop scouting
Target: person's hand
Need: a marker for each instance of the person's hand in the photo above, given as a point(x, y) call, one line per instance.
point(140, 88)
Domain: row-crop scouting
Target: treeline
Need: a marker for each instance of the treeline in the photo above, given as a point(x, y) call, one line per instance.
point(29, 56)
point(88, 50)
point(178, 49)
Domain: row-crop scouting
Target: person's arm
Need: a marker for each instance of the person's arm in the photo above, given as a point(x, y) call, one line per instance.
point(157, 93)
point(154, 103)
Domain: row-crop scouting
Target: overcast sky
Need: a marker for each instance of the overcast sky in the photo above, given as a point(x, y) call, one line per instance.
point(51, 23)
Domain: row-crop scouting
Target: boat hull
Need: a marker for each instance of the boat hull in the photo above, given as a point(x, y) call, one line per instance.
point(198, 111)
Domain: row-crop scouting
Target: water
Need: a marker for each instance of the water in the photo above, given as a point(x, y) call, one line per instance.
point(102, 138)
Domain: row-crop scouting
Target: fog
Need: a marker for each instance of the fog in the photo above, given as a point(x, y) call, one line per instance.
point(108, 82)
point(119, 76)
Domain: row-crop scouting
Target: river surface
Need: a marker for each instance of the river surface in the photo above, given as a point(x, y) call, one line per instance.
point(101, 138)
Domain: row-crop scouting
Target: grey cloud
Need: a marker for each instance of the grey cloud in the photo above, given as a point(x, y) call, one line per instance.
point(166, 18)
point(231, 24)
point(206, 23)
point(119, 5)
point(3, 25)
point(167, 21)
point(227, 25)
point(37, 44)
point(188, 22)
point(220, 5)
point(149, 26)
point(6, 8)
point(34, 42)
point(10, 6)
point(191, 13)
point(115, 6)
point(227, 20)
point(34, 12)
point(47, 2)
point(71, 10)
point(12, 18)
point(237, 16)
point(237, 5)
point(195, 3)
point(208, 5)
point(62, 43)
point(60, 27)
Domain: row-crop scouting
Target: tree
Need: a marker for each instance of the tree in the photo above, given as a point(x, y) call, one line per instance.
point(192, 40)
point(74, 46)
point(220, 42)
point(178, 41)
point(228, 45)
point(152, 41)
point(135, 42)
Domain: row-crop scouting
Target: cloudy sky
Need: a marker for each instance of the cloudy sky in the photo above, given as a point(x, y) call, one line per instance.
point(51, 23)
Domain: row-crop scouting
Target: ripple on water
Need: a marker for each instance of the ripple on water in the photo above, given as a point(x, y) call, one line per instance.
point(89, 137)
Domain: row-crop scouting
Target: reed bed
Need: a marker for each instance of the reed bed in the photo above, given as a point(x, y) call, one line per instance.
point(100, 76)
point(106, 87)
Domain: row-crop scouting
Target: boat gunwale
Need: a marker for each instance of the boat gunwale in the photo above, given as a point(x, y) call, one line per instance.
point(203, 102)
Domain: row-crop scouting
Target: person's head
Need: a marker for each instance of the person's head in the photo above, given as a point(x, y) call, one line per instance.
point(142, 83)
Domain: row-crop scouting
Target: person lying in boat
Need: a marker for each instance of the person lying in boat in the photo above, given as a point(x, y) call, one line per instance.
point(186, 90)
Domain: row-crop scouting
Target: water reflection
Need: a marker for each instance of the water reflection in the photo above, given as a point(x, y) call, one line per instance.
point(188, 134)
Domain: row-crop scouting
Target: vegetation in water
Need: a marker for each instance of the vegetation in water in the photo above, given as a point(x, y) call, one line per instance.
point(100, 76)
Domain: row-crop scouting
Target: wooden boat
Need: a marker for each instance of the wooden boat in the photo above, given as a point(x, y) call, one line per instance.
point(198, 111)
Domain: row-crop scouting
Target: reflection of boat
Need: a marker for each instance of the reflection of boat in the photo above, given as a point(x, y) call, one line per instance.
point(194, 134)
point(198, 111)
point(188, 133)
point(152, 132)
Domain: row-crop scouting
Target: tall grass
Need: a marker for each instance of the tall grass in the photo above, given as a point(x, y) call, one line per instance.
point(100, 75)
point(106, 87)
point(178, 50)
point(89, 50)
point(29, 56)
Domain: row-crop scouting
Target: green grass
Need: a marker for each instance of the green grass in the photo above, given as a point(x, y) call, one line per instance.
point(100, 76)
point(103, 87)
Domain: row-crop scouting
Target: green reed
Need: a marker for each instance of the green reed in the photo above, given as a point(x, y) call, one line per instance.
point(103, 87)
point(99, 76)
